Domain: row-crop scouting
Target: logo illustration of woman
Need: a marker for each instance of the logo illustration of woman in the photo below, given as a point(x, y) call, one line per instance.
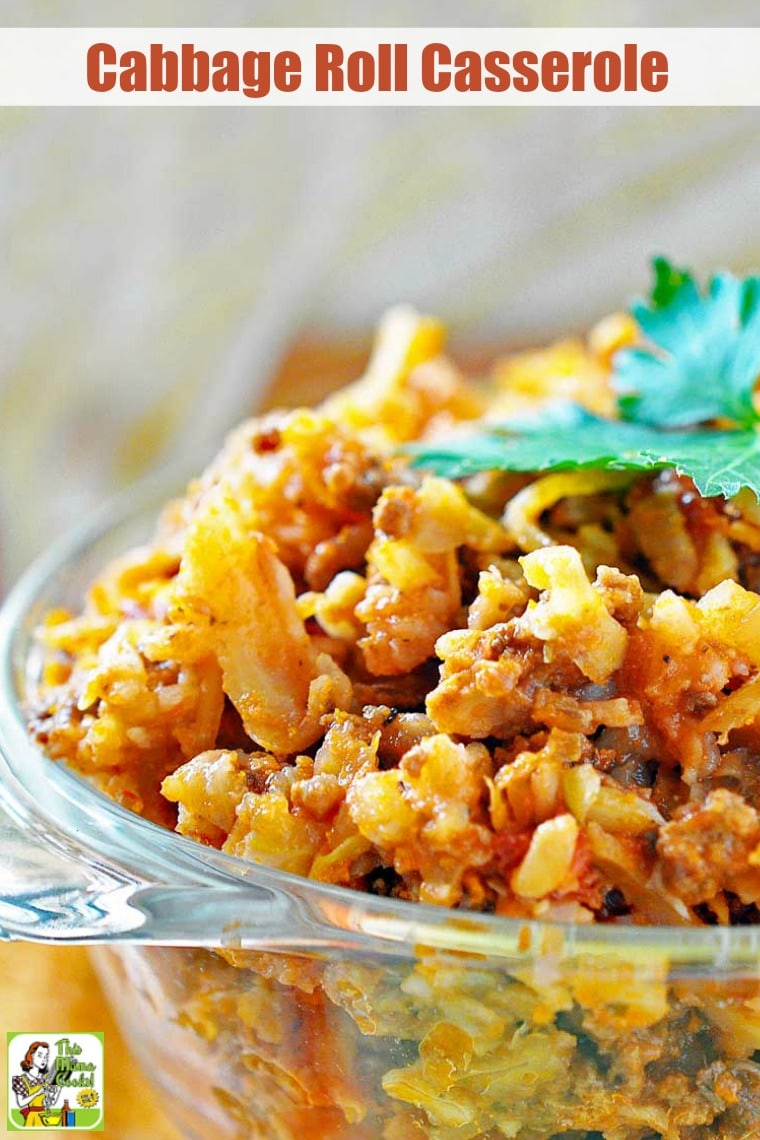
point(34, 1091)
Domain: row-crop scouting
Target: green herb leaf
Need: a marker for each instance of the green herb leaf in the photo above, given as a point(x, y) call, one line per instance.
point(703, 354)
point(567, 437)
point(700, 364)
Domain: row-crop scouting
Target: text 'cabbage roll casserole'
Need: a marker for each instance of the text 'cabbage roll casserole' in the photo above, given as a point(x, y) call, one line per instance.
point(492, 646)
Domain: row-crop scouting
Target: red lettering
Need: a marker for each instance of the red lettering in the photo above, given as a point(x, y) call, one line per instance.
point(255, 74)
point(654, 71)
point(631, 67)
point(581, 63)
point(467, 77)
point(226, 65)
point(384, 70)
point(607, 71)
point(360, 70)
point(134, 75)
point(434, 58)
point(497, 71)
point(195, 69)
point(524, 64)
point(164, 69)
point(329, 67)
point(287, 71)
point(400, 64)
point(555, 72)
point(100, 56)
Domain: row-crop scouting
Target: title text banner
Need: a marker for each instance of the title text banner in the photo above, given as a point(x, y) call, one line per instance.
point(336, 67)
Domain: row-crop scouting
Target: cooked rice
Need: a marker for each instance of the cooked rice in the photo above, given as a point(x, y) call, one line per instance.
point(534, 696)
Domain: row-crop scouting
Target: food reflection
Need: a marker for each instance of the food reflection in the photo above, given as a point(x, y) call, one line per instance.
point(519, 683)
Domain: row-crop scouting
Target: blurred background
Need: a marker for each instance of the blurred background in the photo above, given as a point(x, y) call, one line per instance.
point(166, 271)
point(161, 266)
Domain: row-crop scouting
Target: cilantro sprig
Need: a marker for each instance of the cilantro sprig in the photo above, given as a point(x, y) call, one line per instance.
point(702, 355)
point(568, 438)
point(685, 399)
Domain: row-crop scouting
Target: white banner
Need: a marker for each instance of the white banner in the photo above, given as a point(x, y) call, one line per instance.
point(340, 67)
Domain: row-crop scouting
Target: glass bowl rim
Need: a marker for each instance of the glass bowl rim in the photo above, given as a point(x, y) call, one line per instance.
point(142, 846)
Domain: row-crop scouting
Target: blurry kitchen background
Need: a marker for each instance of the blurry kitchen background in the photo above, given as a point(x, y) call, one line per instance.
point(159, 265)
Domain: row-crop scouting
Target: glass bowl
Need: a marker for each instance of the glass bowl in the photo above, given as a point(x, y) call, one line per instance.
point(265, 1005)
